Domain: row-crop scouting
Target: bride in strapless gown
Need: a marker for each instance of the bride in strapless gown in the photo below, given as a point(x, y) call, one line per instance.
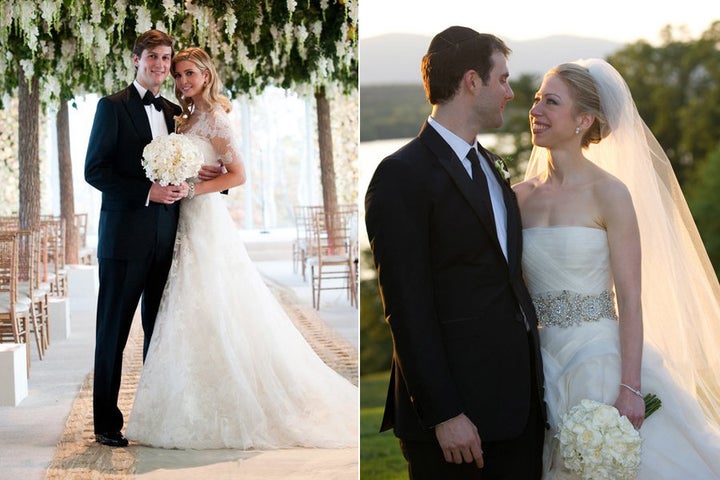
point(627, 300)
point(567, 270)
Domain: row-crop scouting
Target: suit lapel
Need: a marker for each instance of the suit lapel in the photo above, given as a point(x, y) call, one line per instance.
point(492, 158)
point(138, 116)
point(169, 114)
point(449, 161)
point(513, 214)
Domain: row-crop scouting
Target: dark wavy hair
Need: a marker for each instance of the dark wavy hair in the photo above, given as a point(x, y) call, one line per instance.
point(151, 39)
point(453, 52)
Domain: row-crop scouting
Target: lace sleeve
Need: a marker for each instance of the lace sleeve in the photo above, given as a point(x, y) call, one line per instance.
point(222, 137)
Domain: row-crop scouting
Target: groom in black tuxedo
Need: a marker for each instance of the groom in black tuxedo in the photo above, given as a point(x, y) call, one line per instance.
point(138, 219)
point(466, 389)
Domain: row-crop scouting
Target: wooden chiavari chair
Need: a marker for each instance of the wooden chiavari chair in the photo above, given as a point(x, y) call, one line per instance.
point(85, 253)
point(14, 316)
point(9, 223)
point(28, 291)
point(57, 271)
point(303, 247)
point(331, 266)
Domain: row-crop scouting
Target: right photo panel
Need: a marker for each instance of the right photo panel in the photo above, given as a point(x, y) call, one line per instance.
point(539, 246)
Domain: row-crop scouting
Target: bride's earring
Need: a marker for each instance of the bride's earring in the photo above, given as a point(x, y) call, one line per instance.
point(577, 130)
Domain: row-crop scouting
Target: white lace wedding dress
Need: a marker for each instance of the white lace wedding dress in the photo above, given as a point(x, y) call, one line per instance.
point(568, 274)
point(226, 368)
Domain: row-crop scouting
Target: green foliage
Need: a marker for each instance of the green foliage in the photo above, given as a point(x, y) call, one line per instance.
point(392, 111)
point(375, 340)
point(703, 198)
point(380, 456)
point(79, 46)
point(676, 87)
point(517, 125)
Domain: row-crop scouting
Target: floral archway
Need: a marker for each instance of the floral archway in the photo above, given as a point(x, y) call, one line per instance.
point(56, 50)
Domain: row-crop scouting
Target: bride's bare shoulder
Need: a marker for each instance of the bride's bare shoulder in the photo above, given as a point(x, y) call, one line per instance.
point(526, 187)
point(612, 194)
point(606, 184)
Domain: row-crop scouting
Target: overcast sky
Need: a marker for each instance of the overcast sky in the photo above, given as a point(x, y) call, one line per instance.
point(620, 20)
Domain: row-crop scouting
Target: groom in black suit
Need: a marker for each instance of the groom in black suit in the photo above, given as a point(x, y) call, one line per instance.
point(138, 219)
point(466, 390)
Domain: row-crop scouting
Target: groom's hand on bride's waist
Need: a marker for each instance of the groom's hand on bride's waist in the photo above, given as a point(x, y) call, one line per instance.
point(460, 441)
point(208, 172)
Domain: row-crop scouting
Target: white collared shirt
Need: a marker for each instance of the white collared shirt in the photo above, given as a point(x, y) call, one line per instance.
point(156, 118)
point(461, 148)
point(158, 126)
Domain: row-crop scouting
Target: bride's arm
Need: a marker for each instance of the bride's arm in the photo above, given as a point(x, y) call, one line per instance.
point(235, 176)
point(222, 140)
point(625, 262)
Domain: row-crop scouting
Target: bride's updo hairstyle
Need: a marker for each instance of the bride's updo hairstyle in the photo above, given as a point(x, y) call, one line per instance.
point(587, 100)
point(211, 94)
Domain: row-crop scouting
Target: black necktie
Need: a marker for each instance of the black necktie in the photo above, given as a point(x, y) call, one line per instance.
point(479, 179)
point(150, 99)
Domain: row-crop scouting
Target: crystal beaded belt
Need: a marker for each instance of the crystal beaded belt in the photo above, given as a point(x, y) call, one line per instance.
point(565, 308)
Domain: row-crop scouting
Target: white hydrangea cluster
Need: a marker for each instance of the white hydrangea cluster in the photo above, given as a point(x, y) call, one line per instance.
point(171, 159)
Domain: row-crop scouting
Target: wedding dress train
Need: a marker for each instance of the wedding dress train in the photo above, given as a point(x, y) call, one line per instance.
point(226, 368)
point(568, 274)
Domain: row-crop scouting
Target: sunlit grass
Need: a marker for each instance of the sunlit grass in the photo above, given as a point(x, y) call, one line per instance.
point(380, 457)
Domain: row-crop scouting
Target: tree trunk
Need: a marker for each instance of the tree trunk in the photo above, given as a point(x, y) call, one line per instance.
point(67, 201)
point(327, 168)
point(28, 151)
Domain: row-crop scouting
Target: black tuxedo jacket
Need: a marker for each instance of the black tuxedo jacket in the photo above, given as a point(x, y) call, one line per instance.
point(455, 306)
point(121, 130)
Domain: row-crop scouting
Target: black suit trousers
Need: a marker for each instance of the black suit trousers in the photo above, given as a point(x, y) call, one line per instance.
point(516, 459)
point(122, 285)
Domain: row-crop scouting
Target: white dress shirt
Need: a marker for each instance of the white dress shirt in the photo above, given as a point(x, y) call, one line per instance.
point(158, 126)
point(156, 118)
point(461, 148)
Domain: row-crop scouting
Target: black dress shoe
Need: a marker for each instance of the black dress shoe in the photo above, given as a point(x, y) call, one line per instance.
point(111, 439)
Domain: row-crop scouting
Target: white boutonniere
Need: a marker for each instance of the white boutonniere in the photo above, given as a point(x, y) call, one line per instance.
point(502, 169)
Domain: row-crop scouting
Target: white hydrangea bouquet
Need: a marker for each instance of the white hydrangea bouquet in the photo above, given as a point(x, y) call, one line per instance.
point(598, 444)
point(171, 159)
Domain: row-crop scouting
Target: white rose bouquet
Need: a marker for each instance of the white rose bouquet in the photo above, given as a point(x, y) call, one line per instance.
point(599, 444)
point(171, 159)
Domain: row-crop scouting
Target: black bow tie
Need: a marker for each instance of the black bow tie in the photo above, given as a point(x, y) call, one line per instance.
point(149, 98)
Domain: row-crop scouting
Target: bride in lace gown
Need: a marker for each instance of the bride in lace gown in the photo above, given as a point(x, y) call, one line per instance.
point(601, 209)
point(226, 368)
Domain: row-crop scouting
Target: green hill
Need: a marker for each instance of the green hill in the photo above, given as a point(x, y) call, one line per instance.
point(392, 111)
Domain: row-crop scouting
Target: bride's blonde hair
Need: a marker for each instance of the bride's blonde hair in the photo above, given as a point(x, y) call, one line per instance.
point(211, 93)
point(586, 98)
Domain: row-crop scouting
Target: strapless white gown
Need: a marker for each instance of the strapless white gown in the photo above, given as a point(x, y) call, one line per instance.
point(226, 368)
point(568, 274)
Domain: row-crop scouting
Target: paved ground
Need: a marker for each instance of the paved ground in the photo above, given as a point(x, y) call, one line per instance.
point(30, 432)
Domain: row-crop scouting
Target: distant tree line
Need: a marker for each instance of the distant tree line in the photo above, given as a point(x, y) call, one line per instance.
point(676, 87)
point(391, 111)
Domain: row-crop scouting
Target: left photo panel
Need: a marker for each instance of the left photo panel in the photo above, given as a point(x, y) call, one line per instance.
point(179, 239)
